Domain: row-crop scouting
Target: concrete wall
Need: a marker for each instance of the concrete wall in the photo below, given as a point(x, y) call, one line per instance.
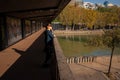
point(64, 71)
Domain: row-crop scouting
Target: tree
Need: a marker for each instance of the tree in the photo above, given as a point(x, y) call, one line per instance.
point(66, 16)
point(111, 39)
point(70, 16)
point(108, 16)
point(100, 21)
point(100, 18)
point(91, 18)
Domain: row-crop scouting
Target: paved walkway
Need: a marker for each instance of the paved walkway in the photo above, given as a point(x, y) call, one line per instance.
point(91, 71)
point(82, 72)
point(23, 60)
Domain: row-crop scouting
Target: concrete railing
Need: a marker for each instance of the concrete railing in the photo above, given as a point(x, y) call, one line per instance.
point(62, 68)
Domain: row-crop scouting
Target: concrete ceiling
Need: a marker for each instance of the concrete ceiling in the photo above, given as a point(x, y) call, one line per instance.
point(42, 10)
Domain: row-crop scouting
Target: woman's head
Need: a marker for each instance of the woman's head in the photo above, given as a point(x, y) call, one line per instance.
point(49, 27)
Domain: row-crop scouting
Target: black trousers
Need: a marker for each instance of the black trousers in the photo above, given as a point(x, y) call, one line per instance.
point(49, 51)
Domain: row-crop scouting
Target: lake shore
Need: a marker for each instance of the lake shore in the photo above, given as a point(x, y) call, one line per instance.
point(89, 67)
point(79, 32)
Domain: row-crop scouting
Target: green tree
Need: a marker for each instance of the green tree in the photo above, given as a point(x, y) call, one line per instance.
point(110, 16)
point(101, 17)
point(65, 16)
point(100, 23)
point(70, 16)
point(91, 18)
point(111, 39)
point(116, 10)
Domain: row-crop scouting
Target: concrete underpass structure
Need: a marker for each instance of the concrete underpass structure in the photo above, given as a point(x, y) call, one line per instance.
point(22, 26)
point(20, 18)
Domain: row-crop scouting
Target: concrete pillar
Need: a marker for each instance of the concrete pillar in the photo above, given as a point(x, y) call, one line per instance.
point(80, 59)
point(3, 33)
point(90, 59)
point(67, 60)
point(70, 61)
point(77, 60)
point(87, 58)
point(83, 59)
point(23, 27)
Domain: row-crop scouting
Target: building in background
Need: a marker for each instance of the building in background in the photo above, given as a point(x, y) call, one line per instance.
point(89, 5)
point(81, 3)
point(108, 4)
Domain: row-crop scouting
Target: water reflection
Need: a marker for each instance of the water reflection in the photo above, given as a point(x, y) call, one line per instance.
point(76, 45)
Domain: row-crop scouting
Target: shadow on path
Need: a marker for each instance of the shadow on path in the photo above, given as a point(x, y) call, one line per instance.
point(90, 68)
point(108, 65)
point(28, 66)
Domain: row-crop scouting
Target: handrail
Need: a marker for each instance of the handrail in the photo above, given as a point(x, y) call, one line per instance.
point(63, 68)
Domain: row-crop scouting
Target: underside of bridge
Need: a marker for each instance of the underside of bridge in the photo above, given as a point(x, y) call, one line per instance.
point(18, 20)
point(38, 10)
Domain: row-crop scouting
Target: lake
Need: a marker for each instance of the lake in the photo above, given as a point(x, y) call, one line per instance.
point(75, 45)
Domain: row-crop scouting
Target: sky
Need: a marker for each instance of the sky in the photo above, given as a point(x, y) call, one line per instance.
point(116, 2)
